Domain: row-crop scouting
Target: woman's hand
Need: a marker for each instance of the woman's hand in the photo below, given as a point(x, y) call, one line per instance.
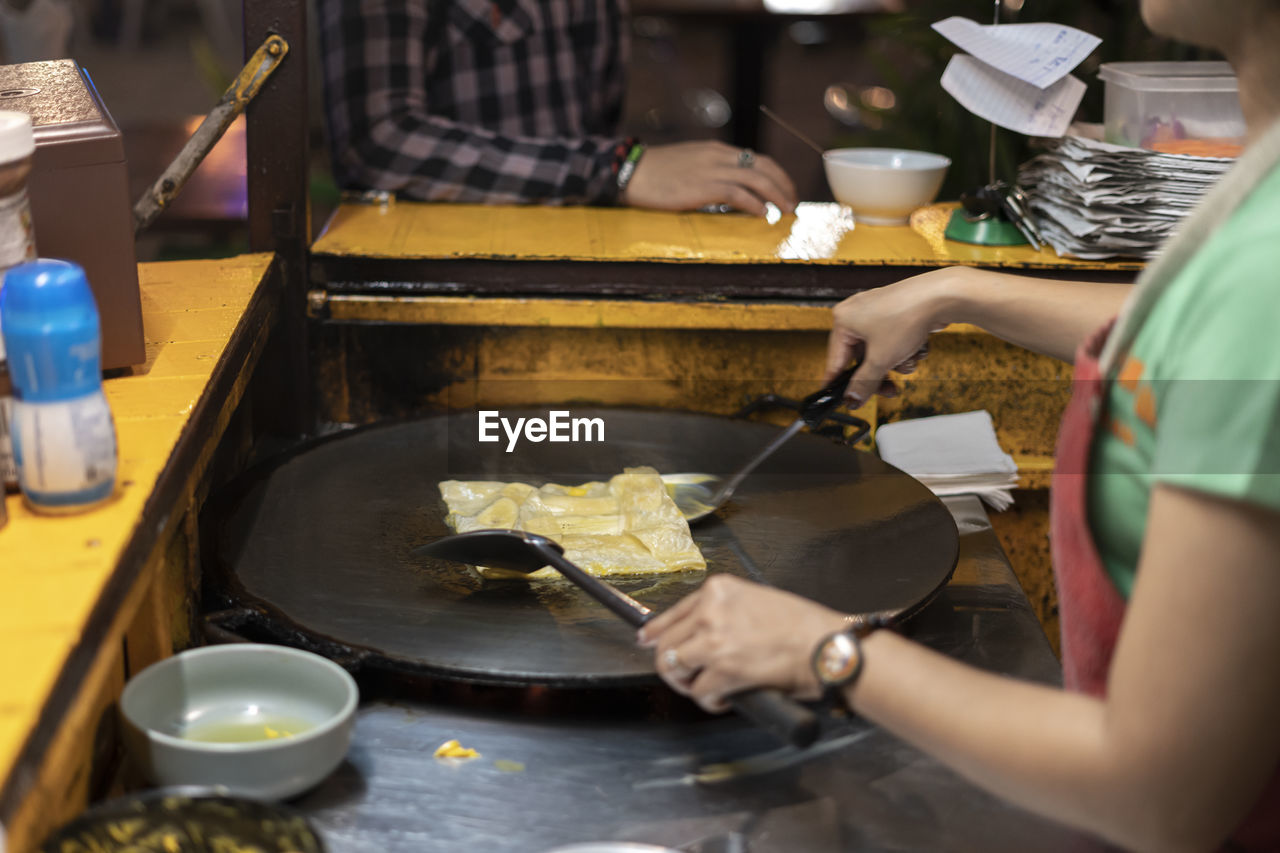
point(732, 635)
point(690, 175)
point(890, 327)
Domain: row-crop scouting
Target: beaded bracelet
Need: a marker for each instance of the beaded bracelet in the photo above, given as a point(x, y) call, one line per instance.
point(628, 167)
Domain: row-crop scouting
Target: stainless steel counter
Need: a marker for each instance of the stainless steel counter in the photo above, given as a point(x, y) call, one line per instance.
point(596, 774)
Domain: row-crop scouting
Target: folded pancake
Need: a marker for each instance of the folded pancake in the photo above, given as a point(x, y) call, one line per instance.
point(627, 526)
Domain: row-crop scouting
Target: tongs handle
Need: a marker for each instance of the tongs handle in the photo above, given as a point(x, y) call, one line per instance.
point(780, 715)
point(815, 408)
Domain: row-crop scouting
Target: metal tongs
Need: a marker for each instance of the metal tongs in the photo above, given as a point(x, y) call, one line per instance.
point(693, 492)
point(519, 551)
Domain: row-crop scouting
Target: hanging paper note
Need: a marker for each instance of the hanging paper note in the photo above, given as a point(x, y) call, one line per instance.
point(1040, 54)
point(1009, 102)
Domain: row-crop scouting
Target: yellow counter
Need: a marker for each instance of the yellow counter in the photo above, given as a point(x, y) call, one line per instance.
point(61, 650)
point(819, 233)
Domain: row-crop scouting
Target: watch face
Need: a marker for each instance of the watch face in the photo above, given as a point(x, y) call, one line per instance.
point(837, 659)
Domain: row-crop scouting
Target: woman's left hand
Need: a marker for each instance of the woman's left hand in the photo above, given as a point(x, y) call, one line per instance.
point(732, 635)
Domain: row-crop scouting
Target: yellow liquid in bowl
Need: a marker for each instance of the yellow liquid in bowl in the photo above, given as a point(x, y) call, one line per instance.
point(258, 727)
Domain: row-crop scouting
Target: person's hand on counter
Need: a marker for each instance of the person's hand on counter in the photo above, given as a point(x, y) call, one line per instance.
point(731, 635)
point(690, 175)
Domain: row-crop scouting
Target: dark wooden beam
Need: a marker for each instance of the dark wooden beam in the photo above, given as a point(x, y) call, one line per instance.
point(277, 139)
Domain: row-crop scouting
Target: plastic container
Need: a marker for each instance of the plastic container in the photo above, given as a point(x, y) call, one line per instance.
point(64, 440)
point(1158, 104)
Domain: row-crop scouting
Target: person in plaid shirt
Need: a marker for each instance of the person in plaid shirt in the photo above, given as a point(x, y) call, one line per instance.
point(510, 101)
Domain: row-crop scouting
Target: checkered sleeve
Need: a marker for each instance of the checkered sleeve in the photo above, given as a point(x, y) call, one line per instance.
point(385, 135)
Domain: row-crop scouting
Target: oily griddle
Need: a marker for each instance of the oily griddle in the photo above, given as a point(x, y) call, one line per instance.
point(321, 540)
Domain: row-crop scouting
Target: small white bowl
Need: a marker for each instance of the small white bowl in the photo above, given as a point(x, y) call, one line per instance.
point(883, 185)
point(251, 695)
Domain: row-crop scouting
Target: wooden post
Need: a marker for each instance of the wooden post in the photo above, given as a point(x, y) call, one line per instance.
point(277, 137)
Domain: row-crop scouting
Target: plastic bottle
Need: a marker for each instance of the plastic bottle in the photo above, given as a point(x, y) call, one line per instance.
point(64, 440)
point(17, 244)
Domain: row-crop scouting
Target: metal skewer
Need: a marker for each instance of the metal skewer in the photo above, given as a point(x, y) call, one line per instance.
point(991, 150)
point(791, 129)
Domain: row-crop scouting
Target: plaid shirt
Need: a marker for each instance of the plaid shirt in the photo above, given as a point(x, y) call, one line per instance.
point(506, 101)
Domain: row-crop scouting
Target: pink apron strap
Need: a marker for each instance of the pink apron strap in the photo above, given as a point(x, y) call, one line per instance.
point(1090, 608)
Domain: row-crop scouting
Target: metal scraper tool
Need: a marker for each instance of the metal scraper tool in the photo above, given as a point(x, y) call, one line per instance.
point(697, 496)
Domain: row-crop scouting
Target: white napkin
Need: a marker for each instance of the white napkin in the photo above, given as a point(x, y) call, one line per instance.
point(952, 455)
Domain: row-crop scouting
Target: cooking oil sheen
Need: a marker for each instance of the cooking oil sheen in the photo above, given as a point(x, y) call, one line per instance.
point(247, 729)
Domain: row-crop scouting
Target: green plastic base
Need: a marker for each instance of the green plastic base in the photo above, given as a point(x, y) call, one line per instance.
point(991, 231)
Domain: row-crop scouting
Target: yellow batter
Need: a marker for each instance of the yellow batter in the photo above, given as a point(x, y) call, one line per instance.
point(627, 526)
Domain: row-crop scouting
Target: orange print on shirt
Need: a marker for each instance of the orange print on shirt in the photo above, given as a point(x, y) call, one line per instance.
point(1130, 374)
point(1145, 406)
point(1121, 431)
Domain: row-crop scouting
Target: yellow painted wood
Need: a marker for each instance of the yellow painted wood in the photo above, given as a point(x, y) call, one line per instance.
point(818, 233)
point(571, 313)
point(552, 312)
point(52, 569)
point(59, 789)
point(37, 664)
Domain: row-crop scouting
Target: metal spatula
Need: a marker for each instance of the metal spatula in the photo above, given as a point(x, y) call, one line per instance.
point(698, 495)
point(518, 551)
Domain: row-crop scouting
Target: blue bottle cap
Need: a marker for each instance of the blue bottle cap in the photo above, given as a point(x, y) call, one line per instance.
point(49, 320)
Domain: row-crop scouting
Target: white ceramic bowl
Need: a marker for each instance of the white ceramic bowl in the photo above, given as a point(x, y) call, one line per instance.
point(613, 847)
point(883, 185)
point(233, 692)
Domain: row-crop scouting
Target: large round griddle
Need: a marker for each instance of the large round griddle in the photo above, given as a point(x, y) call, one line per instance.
point(322, 541)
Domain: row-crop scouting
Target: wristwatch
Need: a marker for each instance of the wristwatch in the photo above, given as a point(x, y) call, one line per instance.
point(837, 659)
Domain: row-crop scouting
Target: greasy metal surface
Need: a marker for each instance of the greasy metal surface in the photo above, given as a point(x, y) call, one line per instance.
point(324, 541)
point(604, 774)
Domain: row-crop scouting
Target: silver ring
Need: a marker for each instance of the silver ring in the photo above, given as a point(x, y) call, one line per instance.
point(671, 659)
point(746, 158)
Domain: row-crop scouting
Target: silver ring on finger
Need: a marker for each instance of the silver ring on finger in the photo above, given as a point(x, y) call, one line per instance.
point(671, 659)
point(746, 158)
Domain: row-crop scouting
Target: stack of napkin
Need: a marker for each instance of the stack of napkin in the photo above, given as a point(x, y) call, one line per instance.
point(952, 455)
point(1095, 200)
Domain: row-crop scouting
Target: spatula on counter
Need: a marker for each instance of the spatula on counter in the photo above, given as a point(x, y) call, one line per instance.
point(698, 495)
point(519, 551)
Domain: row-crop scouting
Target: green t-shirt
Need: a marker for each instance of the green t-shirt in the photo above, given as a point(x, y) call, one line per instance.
point(1196, 403)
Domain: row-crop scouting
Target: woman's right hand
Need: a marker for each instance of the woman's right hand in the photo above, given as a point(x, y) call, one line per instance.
point(890, 327)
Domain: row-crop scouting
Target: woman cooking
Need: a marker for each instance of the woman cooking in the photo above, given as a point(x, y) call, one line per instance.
point(1165, 525)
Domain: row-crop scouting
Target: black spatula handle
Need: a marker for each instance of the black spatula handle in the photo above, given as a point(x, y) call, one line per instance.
point(632, 612)
point(780, 715)
point(771, 710)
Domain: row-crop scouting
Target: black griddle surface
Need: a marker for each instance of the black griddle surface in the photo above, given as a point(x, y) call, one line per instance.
point(321, 541)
